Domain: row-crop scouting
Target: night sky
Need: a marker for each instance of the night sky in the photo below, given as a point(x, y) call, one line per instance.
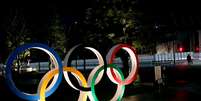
point(77, 7)
point(38, 13)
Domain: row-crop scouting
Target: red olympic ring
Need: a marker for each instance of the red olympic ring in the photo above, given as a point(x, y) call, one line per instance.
point(111, 56)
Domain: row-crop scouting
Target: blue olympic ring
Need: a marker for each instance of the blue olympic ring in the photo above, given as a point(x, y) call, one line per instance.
point(8, 75)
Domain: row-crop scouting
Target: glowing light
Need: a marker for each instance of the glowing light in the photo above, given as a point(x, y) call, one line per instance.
point(197, 49)
point(181, 49)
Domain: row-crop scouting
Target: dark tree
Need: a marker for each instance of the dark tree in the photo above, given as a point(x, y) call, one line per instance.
point(56, 35)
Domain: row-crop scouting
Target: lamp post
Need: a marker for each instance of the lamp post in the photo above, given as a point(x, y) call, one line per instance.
point(174, 51)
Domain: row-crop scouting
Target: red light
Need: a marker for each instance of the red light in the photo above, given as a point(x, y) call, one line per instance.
point(197, 49)
point(181, 49)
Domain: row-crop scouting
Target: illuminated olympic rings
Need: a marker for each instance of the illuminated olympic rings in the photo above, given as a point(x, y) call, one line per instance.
point(56, 61)
point(134, 64)
point(113, 72)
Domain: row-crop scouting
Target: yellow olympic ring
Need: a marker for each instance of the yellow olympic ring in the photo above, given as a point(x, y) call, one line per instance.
point(49, 75)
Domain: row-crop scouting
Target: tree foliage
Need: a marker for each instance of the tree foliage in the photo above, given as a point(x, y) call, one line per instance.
point(16, 30)
point(56, 35)
point(109, 20)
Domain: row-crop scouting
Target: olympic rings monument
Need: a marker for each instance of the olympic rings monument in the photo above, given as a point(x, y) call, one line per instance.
point(62, 69)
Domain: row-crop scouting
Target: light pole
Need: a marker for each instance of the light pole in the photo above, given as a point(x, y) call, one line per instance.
point(174, 51)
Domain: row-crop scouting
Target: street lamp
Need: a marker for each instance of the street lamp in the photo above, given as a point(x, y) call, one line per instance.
point(174, 50)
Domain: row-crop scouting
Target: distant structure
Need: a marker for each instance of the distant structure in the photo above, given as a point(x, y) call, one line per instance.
point(184, 41)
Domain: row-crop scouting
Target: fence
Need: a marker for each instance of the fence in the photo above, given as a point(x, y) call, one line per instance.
point(180, 57)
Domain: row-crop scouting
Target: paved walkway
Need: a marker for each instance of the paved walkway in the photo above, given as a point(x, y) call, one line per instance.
point(182, 91)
